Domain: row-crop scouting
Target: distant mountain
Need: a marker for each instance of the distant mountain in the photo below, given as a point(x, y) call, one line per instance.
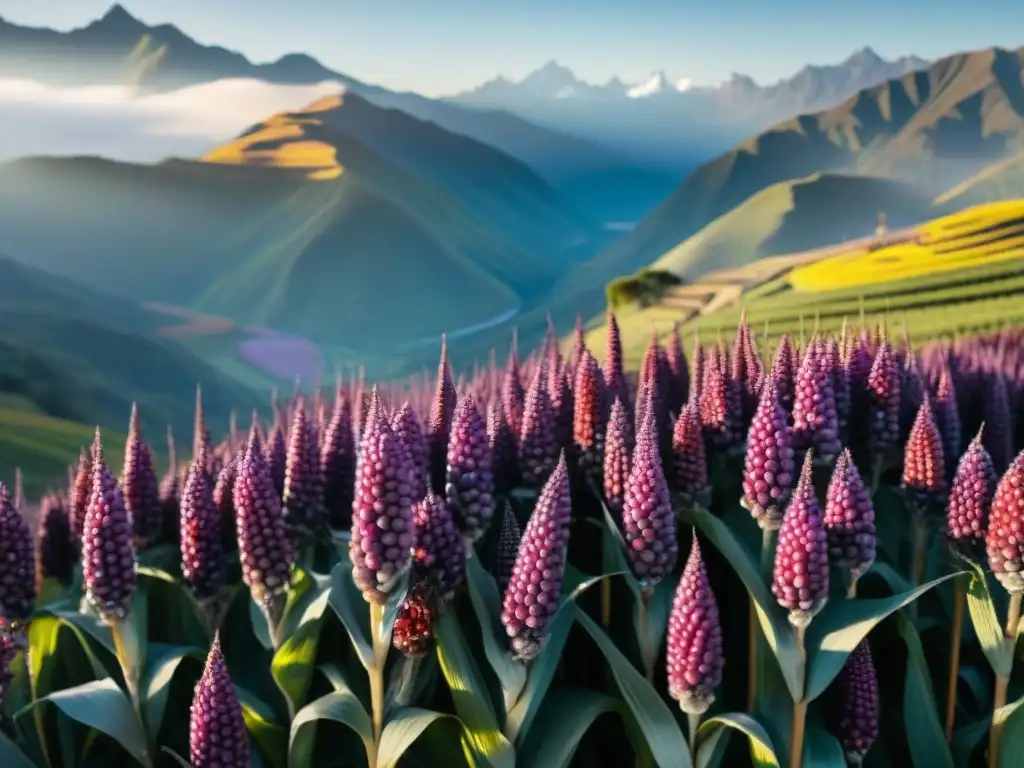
point(934, 128)
point(669, 116)
point(118, 48)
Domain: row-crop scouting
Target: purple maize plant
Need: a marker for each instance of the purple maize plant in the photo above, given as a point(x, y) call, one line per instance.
point(302, 500)
point(769, 467)
point(469, 485)
point(504, 448)
point(55, 548)
point(924, 467)
point(970, 501)
point(17, 568)
point(217, 734)
point(855, 717)
point(442, 411)
point(588, 413)
point(538, 445)
point(1003, 542)
point(849, 518)
point(438, 552)
point(815, 423)
point(618, 452)
point(413, 634)
point(688, 475)
point(140, 486)
point(203, 564)
point(338, 465)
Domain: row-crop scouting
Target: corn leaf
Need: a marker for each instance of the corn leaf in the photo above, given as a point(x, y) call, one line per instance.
point(11, 756)
point(1011, 740)
point(352, 612)
point(342, 707)
point(295, 661)
point(987, 627)
point(925, 735)
point(270, 738)
point(155, 685)
point(403, 729)
point(716, 729)
point(566, 716)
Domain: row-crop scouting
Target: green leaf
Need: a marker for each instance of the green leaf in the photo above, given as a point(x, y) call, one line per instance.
point(349, 606)
point(271, 738)
point(996, 647)
point(652, 715)
point(713, 730)
point(1011, 740)
point(770, 616)
point(260, 625)
point(176, 757)
point(483, 594)
point(295, 661)
point(822, 749)
point(104, 706)
point(966, 740)
point(469, 694)
point(840, 627)
point(566, 717)
point(342, 707)
point(156, 682)
point(403, 728)
point(90, 626)
point(925, 734)
point(11, 756)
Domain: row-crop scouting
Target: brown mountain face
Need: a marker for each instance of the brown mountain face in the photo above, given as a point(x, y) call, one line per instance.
point(935, 127)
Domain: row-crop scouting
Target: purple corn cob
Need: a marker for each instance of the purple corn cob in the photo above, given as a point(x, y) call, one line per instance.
point(469, 487)
point(202, 546)
point(694, 647)
point(720, 408)
point(78, 501)
point(746, 371)
point(648, 524)
point(769, 470)
point(55, 551)
point(504, 448)
point(437, 550)
point(108, 558)
point(217, 734)
point(512, 394)
point(849, 518)
point(800, 576)
point(506, 547)
point(912, 391)
point(223, 499)
point(832, 362)
point(924, 468)
point(947, 418)
point(815, 424)
point(200, 434)
point(697, 379)
point(784, 370)
point(409, 432)
point(413, 635)
point(338, 465)
point(970, 500)
point(883, 403)
point(17, 566)
point(1003, 541)
point(679, 368)
point(613, 373)
point(579, 343)
point(538, 446)
point(535, 587)
point(654, 383)
point(442, 411)
point(588, 413)
point(855, 719)
point(561, 397)
point(689, 463)
point(140, 487)
point(998, 420)
point(264, 549)
point(382, 535)
point(276, 457)
point(618, 452)
point(303, 489)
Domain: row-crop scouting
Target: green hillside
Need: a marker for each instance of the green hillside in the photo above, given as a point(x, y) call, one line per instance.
point(796, 216)
point(1002, 180)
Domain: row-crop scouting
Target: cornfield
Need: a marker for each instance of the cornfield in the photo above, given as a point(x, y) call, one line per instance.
point(809, 559)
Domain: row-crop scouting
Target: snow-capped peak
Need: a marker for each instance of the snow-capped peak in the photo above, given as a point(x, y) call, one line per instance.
point(656, 83)
point(684, 84)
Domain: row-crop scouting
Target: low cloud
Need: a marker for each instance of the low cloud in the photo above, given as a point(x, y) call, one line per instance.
point(120, 123)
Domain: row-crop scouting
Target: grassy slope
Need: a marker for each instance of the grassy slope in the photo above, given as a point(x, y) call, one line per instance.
point(1002, 180)
point(795, 216)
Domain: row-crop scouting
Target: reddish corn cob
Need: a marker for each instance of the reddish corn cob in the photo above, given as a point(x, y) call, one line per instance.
point(538, 447)
point(769, 471)
point(924, 482)
point(855, 722)
point(470, 482)
point(613, 373)
point(217, 733)
point(413, 634)
point(719, 408)
point(588, 413)
point(535, 586)
point(689, 475)
point(438, 551)
point(970, 500)
point(1003, 541)
point(849, 518)
point(800, 576)
point(694, 646)
point(618, 451)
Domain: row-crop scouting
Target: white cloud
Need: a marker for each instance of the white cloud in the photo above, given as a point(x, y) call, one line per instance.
point(120, 123)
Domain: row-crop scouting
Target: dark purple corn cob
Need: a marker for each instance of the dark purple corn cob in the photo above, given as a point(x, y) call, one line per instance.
point(560, 395)
point(437, 550)
point(535, 587)
point(55, 551)
point(883, 403)
point(970, 500)
point(912, 391)
point(924, 468)
point(832, 362)
point(469, 485)
point(648, 524)
point(9, 649)
point(815, 424)
point(79, 497)
point(679, 367)
point(694, 646)
point(849, 518)
point(202, 546)
point(746, 371)
point(217, 734)
point(413, 635)
point(769, 469)
point(200, 434)
point(276, 457)
point(140, 487)
point(858, 361)
point(800, 576)
point(1003, 540)
point(998, 420)
point(504, 448)
point(689, 475)
point(618, 452)
point(442, 411)
point(108, 558)
point(506, 547)
point(223, 499)
point(264, 549)
point(947, 418)
point(783, 372)
point(303, 488)
point(382, 535)
point(17, 566)
point(614, 376)
point(588, 413)
point(855, 719)
point(538, 446)
point(338, 465)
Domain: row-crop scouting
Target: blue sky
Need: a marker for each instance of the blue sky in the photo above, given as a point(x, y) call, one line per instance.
point(443, 46)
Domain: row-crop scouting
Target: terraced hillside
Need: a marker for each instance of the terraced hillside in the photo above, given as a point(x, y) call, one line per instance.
point(956, 273)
